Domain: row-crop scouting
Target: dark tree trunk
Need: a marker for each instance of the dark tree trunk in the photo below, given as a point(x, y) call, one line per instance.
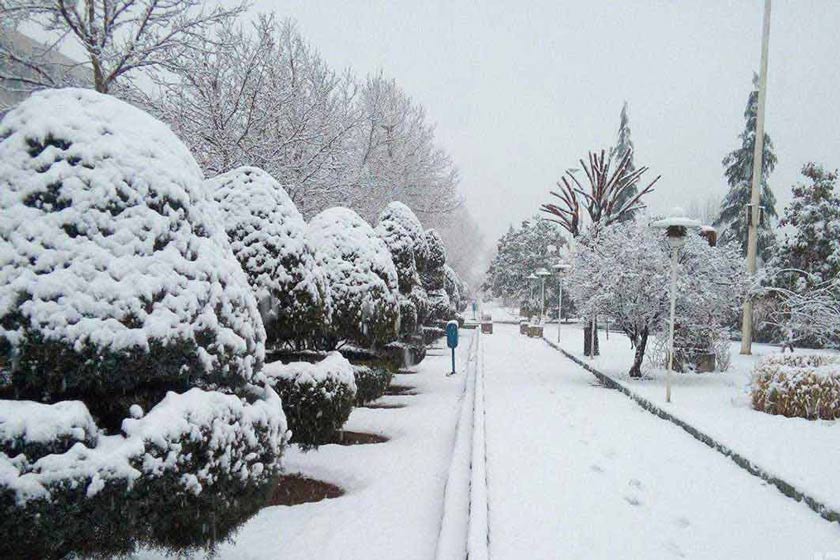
point(641, 344)
point(587, 338)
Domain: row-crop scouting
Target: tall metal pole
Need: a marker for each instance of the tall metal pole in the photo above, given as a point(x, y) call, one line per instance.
point(542, 298)
point(755, 195)
point(559, 308)
point(674, 255)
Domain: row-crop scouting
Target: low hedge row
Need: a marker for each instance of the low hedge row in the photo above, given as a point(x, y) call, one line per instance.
point(371, 383)
point(317, 398)
point(183, 476)
point(805, 386)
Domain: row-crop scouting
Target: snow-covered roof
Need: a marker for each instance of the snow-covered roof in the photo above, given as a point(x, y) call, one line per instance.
point(676, 221)
point(104, 236)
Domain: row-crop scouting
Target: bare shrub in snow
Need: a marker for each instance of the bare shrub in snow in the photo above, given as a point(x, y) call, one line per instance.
point(119, 289)
point(317, 398)
point(361, 277)
point(804, 385)
point(268, 237)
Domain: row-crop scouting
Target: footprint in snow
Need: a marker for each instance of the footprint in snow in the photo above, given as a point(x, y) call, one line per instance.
point(596, 468)
point(682, 522)
point(635, 483)
point(632, 500)
point(674, 549)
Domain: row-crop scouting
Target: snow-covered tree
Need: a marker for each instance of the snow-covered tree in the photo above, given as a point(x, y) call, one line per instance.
point(119, 37)
point(624, 148)
point(121, 301)
point(536, 243)
point(803, 272)
point(398, 158)
point(738, 165)
point(624, 272)
point(810, 251)
point(361, 278)
point(268, 237)
point(603, 201)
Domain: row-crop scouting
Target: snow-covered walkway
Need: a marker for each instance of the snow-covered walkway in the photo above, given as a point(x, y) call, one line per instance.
point(578, 471)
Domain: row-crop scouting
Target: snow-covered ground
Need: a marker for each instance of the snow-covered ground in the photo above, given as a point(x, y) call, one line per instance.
point(394, 490)
point(579, 471)
point(804, 453)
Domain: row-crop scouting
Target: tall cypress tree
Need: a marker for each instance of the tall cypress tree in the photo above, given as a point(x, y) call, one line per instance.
point(738, 166)
point(623, 146)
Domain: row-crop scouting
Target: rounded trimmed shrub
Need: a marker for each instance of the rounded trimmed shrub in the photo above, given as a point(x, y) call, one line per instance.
point(115, 286)
point(371, 383)
point(804, 386)
point(119, 293)
point(361, 278)
point(268, 237)
point(317, 398)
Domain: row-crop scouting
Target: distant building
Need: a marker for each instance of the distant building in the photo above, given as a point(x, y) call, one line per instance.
point(62, 69)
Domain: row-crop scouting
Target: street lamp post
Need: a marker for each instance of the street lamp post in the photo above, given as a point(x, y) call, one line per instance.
point(676, 228)
point(541, 274)
point(560, 269)
point(531, 277)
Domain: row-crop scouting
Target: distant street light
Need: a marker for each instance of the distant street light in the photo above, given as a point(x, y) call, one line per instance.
point(531, 277)
point(560, 270)
point(541, 274)
point(676, 228)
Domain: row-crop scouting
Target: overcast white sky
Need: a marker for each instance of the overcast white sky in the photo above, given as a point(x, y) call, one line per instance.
point(521, 92)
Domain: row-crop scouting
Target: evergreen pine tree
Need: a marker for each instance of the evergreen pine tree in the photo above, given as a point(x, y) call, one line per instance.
point(738, 170)
point(623, 146)
point(813, 217)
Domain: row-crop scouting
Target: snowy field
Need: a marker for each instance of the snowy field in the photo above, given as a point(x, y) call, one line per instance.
point(394, 490)
point(579, 471)
point(802, 452)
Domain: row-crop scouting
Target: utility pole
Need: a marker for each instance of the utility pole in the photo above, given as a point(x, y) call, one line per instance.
point(755, 195)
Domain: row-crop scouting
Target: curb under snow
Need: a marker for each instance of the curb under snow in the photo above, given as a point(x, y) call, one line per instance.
point(784, 487)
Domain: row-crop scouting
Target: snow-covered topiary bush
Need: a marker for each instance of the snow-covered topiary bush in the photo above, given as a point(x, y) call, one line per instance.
point(268, 237)
point(317, 398)
point(452, 285)
point(802, 385)
point(115, 286)
point(403, 234)
point(371, 383)
point(408, 317)
point(184, 475)
point(361, 278)
point(119, 293)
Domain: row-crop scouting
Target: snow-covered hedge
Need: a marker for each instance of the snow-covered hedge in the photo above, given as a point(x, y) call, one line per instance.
point(371, 383)
point(801, 385)
point(268, 237)
point(361, 277)
point(317, 398)
point(115, 286)
point(185, 474)
point(452, 284)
